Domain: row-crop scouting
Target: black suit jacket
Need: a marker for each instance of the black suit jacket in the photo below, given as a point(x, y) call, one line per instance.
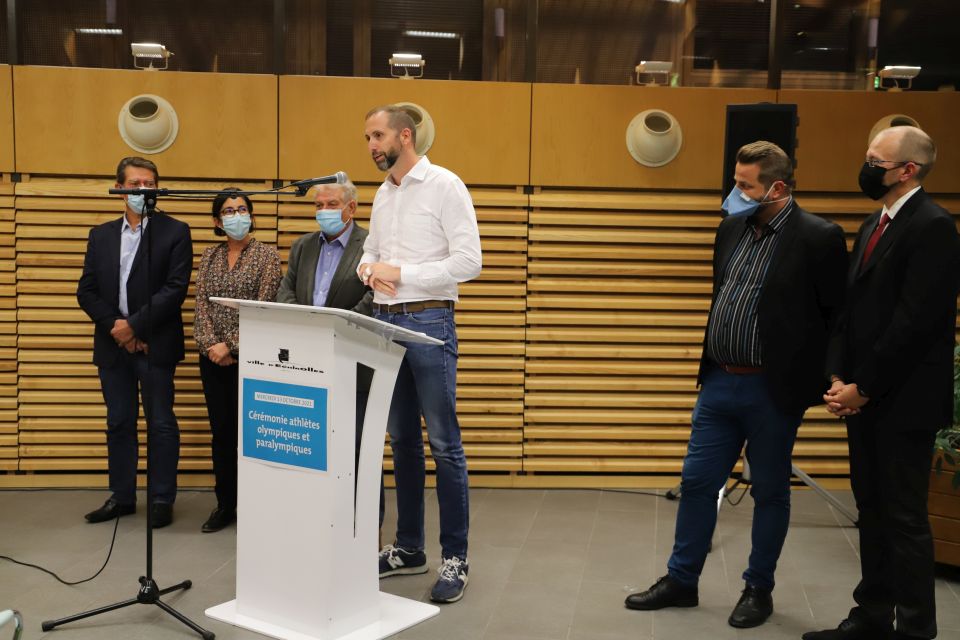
point(99, 288)
point(799, 303)
point(346, 289)
point(895, 337)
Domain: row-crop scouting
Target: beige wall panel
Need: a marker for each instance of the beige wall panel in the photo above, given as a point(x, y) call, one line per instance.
point(483, 128)
point(834, 126)
point(67, 121)
point(6, 120)
point(578, 136)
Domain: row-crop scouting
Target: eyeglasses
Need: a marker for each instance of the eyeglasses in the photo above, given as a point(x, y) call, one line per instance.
point(226, 212)
point(874, 162)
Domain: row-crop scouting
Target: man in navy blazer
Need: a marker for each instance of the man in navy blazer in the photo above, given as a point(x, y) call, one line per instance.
point(138, 338)
point(891, 366)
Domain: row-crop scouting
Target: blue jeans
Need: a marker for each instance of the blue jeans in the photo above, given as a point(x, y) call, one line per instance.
point(732, 409)
point(120, 390)
point(427, 386)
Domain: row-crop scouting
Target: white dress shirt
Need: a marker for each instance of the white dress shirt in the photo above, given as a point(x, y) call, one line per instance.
point(426, 225)
point(892, 211)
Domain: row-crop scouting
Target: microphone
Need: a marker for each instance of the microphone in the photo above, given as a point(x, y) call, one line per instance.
point(303, 185)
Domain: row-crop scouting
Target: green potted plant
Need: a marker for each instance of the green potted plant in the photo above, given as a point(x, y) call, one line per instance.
point(944, 496)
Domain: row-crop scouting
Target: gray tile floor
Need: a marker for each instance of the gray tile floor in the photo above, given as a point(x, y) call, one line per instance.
point(544, 565)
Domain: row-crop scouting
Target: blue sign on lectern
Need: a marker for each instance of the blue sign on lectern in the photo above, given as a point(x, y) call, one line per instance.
point(285, 423)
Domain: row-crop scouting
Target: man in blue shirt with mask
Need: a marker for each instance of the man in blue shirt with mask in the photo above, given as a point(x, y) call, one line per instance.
point(322, 267)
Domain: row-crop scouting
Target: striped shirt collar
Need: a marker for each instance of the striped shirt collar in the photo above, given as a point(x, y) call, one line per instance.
point(778, 220)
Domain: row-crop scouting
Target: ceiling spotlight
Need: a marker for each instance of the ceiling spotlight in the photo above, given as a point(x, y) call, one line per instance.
point(654, 68)
point(896, 73)
point(443, 35)
point(402, 63)
point(146, 53)
point(98, 31)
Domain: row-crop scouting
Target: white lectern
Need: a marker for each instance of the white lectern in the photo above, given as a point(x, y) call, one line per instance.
point(307, 504)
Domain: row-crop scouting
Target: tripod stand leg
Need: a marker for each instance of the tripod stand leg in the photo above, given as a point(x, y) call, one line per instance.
point(810, 482)
point(206, 635)
point(186, 584)
point(50, 624)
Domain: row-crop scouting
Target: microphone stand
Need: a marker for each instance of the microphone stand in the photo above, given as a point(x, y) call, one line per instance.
point(149, 592)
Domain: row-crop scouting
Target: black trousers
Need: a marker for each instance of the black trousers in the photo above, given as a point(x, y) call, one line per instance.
point(890, 474)
point(121, 384)
point(220, 388)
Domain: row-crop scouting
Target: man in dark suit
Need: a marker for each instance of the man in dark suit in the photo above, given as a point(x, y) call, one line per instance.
point(321, 270)
point(135, 343)
point(891, 362)
point(775, 298)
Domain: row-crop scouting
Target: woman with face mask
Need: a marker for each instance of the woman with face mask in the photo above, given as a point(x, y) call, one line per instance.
point(241, 267)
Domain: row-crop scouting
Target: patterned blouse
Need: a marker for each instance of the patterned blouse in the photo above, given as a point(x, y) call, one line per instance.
point(255, 276)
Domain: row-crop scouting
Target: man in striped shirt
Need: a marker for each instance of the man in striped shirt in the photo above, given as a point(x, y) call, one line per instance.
point(776, 296)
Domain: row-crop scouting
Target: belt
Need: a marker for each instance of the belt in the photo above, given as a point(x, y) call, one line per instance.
point(413, 307)
point(738, 370)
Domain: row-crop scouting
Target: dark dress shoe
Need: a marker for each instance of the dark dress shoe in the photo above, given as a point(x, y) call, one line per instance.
point(666, 592)
point(111, 509)
point(162, 515)
point(219, 518)
point(851, 629)
point(753, 609)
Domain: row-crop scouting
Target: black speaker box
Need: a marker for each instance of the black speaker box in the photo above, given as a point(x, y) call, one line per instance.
point(746, 123)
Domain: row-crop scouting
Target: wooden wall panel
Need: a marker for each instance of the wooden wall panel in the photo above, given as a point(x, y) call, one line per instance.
point(8, 331)
point(6, 119)
point(483, 129)
point(834, 127)
point(579, 341)
point(66, 121)
point(62, 414)
point(578, 135)
point(491, 324)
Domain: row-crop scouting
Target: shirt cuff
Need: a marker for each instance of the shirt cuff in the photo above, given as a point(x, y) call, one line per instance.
point(409, 273)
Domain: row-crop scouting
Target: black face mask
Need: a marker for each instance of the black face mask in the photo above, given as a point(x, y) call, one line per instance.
point(871, 181)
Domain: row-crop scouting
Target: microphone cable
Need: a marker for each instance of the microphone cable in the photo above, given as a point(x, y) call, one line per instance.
point(61, 580)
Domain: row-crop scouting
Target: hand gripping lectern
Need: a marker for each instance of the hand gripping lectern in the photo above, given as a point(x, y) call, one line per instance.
point(307, 508)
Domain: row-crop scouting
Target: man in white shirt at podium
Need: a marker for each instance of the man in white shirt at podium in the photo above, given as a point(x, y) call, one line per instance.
point(423, 241)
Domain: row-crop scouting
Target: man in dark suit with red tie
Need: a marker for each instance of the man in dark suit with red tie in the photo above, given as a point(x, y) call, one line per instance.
point(136, 345)
point(891, 366)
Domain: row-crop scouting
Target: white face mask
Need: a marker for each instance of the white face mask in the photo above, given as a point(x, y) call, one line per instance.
point(137, 203)
point(330, 221)
point(237, 225)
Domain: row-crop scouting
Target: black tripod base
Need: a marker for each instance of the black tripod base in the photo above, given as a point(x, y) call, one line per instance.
point(149, 593)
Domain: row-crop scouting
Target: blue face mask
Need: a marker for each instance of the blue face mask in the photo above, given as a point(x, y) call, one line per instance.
point(330, 221)
point(237, 225)
point(137, 203)
point(740, 204)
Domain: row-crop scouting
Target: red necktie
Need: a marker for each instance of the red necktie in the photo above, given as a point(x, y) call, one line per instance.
point(875, 238)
